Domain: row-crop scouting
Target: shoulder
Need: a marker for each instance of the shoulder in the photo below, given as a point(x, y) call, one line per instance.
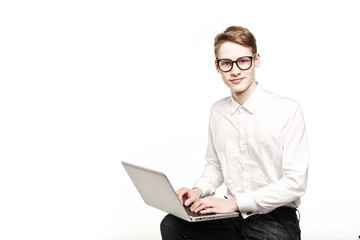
point(279, 102)
point(221, 104)
point(276, 106)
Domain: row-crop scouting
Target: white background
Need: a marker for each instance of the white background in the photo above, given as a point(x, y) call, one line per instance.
point(87, 84)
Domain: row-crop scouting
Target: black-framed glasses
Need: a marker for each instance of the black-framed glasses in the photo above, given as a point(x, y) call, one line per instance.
point(244, 63)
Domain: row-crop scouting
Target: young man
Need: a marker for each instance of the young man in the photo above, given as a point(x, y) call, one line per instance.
point(257, 146)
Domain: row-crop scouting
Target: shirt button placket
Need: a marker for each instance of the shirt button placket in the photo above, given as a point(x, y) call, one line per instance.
point(243, 149)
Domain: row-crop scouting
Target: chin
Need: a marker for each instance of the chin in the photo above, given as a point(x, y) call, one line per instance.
point(238, 89)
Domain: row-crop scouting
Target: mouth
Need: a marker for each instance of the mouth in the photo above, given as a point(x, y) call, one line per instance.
point(237, 80)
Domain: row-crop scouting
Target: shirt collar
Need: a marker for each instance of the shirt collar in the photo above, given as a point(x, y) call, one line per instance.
point(250, 104)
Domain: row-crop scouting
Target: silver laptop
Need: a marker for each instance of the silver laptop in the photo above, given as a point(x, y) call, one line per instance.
point(156, 190)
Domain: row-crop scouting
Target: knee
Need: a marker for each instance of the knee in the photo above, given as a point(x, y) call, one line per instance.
point(167, 224)
point(172, 227)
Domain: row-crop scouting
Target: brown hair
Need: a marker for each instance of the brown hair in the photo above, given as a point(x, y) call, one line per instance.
point(235, 34)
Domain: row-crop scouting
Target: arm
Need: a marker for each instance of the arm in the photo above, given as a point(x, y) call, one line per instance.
point(287, 189)
point(293, 182)
point(210, 180)
point(212, 176)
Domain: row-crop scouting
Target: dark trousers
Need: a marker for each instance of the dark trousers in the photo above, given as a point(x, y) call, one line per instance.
point(280, 224)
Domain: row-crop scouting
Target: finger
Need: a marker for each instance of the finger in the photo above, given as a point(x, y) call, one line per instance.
point(201, 208)
point(193, 196)
point(203, 203)
point(182, 194)
point(190, 200)
point(198, 205)
point(208, 210)
point(185, 200)
point(194, 205)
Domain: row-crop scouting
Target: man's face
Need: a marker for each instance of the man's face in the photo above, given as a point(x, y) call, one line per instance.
point(236, 79)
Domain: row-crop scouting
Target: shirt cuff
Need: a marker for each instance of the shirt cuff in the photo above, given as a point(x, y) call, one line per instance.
point(246, 203)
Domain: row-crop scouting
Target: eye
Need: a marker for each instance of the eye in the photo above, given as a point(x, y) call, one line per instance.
point(225, 62)
point(243, 60)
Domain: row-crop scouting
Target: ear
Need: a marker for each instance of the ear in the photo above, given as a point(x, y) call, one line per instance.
point(217, 67)
point(257, 60)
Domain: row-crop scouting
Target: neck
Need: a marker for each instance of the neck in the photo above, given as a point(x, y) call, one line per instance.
point(243, 96)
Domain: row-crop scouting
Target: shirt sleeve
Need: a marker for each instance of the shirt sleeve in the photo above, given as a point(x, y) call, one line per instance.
point(293, 182)
point(212, 176)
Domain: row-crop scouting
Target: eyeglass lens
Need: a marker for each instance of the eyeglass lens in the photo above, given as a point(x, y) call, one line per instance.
point(243, 63)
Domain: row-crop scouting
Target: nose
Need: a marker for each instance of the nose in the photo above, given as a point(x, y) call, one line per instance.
point(235, 70)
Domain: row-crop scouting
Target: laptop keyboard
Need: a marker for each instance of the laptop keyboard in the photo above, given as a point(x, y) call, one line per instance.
point(196, 214)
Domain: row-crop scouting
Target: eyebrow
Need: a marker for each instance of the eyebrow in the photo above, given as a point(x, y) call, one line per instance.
point(253, 55)
point(237, 58)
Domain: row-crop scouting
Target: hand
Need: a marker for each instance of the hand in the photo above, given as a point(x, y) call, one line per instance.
point(188, 196)
point(215, 205)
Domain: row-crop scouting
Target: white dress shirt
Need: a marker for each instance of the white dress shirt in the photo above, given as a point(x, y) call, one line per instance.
point(259, 150)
